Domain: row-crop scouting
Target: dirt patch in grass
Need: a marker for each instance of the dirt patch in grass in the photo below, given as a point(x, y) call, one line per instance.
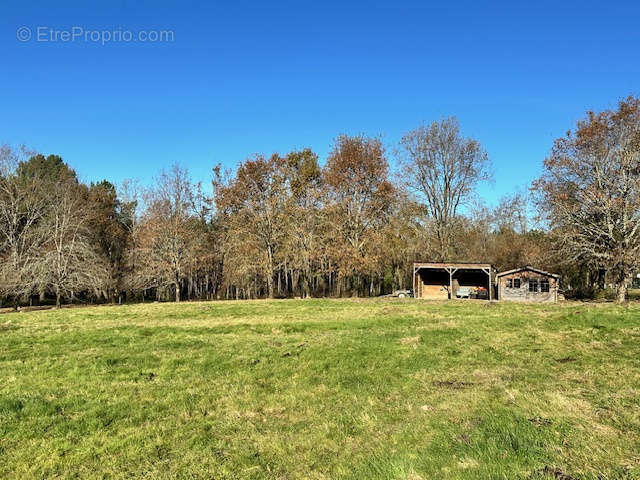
point(565, 359)
point(553, 472)
point(453, 384)
point(540, 421)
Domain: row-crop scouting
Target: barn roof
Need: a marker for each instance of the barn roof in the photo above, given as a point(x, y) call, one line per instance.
point(458, 265)
point(528, 268)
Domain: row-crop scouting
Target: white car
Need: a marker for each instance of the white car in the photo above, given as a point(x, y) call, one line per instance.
point(463, 292)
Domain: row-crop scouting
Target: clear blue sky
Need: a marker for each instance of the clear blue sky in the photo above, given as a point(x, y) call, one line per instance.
point(246, 77)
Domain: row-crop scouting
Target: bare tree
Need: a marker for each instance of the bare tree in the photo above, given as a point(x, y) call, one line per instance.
point(590, 192)
point(22, 206)
point(71, 261)
point(168, 238)
point(444, 169)
point(512, 213)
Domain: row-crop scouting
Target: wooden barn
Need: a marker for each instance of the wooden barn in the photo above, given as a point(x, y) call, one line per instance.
point(442, 281)
point(528, 284)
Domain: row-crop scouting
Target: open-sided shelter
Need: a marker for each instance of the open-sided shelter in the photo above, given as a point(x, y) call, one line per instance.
point(441, 281)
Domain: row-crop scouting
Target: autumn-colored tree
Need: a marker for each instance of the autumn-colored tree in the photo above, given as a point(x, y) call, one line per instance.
point(401, 241)
point(303, 246)
point(590, 192)
point(359, 197)
point(253, 203)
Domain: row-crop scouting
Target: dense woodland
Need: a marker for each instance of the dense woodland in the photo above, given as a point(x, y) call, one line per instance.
point(289, 225)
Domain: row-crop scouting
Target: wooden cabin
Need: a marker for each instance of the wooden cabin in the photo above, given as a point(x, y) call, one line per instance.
point(528, 284)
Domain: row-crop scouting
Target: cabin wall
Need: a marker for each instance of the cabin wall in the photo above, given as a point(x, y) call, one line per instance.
point(523, 294)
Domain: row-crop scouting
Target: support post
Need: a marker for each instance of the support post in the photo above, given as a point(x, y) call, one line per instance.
point(490, 287)
point(488, 272)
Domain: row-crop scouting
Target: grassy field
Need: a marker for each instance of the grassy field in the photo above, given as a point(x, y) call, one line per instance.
point(322, 389)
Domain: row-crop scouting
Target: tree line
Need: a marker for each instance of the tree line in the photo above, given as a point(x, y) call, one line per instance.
point(287, 225)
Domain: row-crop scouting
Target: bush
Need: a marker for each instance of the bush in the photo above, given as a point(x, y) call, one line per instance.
point(633, 294)
point(604, 294)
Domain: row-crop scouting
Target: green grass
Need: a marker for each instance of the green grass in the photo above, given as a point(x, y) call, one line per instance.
point(322, 389)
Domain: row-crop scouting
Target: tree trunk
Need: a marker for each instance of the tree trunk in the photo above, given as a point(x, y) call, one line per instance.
point(279, 282)
point(177, 291)
point(57, 296)
point(270, 273)
point(306, 288)
point(270, 286)
point(621, 292)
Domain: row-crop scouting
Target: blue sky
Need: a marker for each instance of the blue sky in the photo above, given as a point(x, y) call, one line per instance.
point(258, 77)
